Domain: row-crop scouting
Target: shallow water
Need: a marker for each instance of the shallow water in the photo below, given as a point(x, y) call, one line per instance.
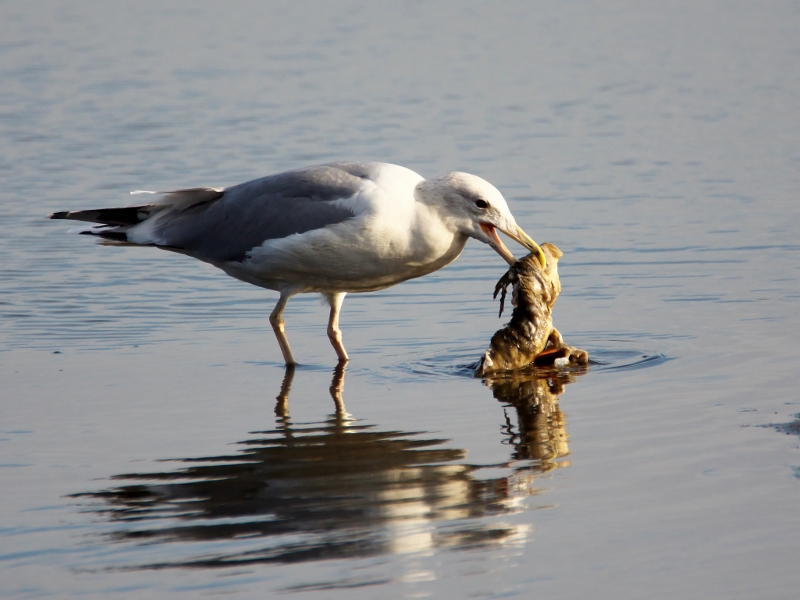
point(152, 444)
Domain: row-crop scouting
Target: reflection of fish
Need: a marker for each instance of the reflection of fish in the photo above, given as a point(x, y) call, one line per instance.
point(530, 338)
point(541, 433)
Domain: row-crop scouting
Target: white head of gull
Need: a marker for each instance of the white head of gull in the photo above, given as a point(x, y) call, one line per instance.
point(329, 229)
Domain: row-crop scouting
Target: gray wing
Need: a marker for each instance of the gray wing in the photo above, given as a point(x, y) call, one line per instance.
point(248, 214)
point(242, 217)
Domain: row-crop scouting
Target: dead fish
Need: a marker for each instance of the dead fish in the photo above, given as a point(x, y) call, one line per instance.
point(530, 338)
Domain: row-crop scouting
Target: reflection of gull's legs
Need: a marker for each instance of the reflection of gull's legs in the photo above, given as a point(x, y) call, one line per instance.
point(337, 387)
point(282, 406)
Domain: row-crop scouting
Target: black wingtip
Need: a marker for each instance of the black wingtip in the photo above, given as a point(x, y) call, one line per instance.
point(117, 236)
point(59, 215)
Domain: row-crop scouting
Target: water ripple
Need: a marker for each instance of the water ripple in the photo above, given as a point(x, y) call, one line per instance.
point(605, 355)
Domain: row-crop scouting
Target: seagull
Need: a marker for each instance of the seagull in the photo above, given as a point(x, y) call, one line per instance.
point(330, 229)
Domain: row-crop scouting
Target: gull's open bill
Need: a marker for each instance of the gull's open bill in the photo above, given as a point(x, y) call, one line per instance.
point(518, 236)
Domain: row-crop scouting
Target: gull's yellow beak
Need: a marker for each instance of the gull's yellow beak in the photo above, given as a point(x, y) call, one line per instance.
point(526, 240)
point(518, 236)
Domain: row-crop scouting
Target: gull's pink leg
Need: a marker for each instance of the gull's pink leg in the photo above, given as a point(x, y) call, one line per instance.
point(334, 333)
point(277, 322)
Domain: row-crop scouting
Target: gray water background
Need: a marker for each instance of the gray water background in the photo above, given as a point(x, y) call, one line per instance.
point(657, 144)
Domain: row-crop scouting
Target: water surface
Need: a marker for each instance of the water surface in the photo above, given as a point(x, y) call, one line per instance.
point(151, 442)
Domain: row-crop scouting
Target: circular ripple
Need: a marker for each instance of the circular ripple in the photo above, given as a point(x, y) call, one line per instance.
point(616, 355)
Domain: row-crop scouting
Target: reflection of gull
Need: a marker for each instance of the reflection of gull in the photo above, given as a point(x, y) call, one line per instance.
point(331, 229)
point(303, 492)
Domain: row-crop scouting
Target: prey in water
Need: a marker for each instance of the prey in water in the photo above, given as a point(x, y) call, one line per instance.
point(530, 337)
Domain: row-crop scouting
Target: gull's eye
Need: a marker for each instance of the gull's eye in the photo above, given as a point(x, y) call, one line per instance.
point(481, 203)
